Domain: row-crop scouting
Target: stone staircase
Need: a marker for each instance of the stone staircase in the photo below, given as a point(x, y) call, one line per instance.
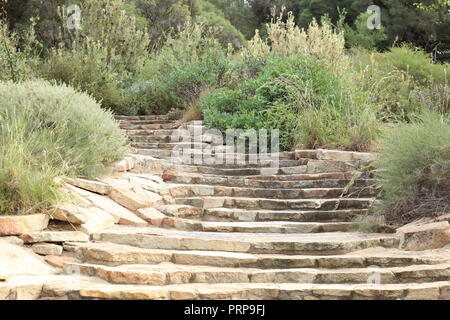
point(236, 232)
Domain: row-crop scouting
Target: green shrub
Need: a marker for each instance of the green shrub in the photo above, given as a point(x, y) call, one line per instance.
point(403, 82)
point(175, 76)
point(16, 64)
point(415, 168)
point(102, 56)
point(309, 104)
point(88, 71)
point(46, 132)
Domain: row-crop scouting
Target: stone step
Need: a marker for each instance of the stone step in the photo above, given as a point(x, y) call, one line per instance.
point(166, 145)
point(56, 286)
point(243, 182)
point(208, 202)
point(111, 254)
point(310, 244)
point(144, 122)
point(251, 227)
point(193, 190)
point(134, 118)
point(227, 214)
point(168, 273)
point(274, 227)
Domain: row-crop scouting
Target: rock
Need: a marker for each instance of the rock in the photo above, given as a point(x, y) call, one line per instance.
point(93, 186)
point(96, 220)
point(124, 165)
point(181, 211)
point(321, 166)
point(121, 214)
point(58, 261)
point(46, 249)
point(15, 260)
point(18, 225)
point(69, 213)
point(424, 237)
point(135, 199)
point(152, 216)
point(13, 240)
point(55, 236)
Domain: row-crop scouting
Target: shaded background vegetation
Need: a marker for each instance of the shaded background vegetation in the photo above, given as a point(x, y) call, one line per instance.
point(309, 68)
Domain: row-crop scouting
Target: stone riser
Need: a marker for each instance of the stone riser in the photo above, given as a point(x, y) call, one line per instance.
point(293, 216)
point(137, 118)
point(251, 183)
point(167, 274)
point(185, 191)
point(115, 255)
point(273, 204)
point(243, 291)
point(287, 245)
point(277, 227)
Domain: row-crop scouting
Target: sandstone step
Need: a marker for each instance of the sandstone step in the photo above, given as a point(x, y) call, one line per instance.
point(168, 273)
point(192, 190)
point(94, 289)
point(227, 214)
point(274, 227)
point(250, 227)
point(276, 204)
point(244, 182)
point(168, 145)
point(314, 243)
point(116, 254)
point(149, 117)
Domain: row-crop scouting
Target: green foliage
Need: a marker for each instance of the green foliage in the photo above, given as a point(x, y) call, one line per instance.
point(101, 57)
point(221, 28)
point(175, 76)
point(361, 36)
point(301, 97)
point(15, 64)
point(48, 132)
point(415, 162)
point(403, 81)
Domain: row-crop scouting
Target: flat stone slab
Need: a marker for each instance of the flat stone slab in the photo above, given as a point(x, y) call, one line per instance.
point(18, 225)
point(55, 236)
point(16, 260)
point(90, 185)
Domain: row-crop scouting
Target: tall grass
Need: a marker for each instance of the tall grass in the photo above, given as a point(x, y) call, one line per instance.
point(415, 168)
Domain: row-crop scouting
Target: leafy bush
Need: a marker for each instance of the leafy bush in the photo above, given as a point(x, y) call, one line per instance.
point(403, 82)
point(50, 131)
point(101, 56)
point(309, 104)
point(361, 36)
point(16, 64)
point(176, 75)
point(415, 168)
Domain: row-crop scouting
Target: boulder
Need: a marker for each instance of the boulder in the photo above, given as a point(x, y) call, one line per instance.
point(424, 237)
point(18, 225)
